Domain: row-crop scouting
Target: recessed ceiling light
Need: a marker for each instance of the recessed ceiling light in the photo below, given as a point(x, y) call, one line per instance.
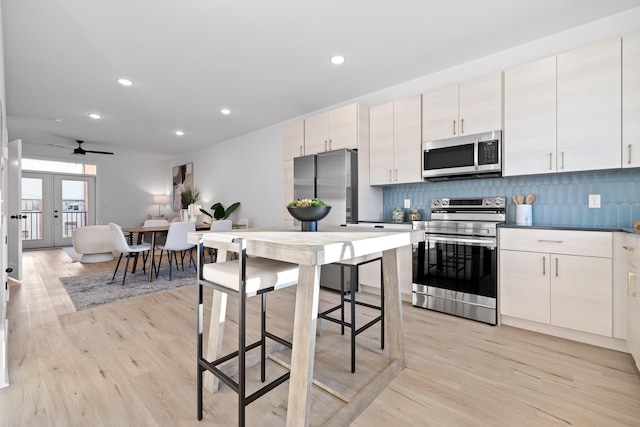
point(337, 60)
point(225, 111)
point(125, 82)
point(179, 133)
point(57, 120)
point(95, 116)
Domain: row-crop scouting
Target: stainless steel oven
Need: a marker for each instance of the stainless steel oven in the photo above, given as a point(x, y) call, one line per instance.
point(455, 269)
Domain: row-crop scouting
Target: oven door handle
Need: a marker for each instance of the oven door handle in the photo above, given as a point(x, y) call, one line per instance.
point(488, 243)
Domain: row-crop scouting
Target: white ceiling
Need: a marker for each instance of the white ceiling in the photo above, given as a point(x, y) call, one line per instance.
point(268, 61)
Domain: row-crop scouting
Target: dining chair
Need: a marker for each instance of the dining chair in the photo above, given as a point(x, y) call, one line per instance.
point(242, 278)
point(219, 225)
point(146, 237)
point(353, 266)
point(120, 244)
point(177, 242)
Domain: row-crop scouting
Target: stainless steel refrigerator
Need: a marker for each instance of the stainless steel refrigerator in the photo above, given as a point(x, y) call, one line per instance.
point(333, 177)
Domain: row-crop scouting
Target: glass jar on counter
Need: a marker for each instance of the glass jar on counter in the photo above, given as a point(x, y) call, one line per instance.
point(397, 215)
point(414, 215)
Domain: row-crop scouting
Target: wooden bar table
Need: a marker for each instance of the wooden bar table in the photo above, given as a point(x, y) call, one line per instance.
point(311, 250)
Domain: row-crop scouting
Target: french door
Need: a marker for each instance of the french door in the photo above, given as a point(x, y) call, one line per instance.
point(53, 205)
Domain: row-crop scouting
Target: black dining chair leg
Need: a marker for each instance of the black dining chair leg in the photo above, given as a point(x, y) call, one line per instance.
point(116, 270)
point(126, 267)
point(157, 268)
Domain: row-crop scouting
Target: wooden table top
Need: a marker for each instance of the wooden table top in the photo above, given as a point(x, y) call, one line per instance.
point(312, 248)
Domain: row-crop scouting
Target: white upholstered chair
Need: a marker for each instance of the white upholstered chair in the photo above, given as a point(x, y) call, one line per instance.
point(219, 225)
point(177, 243)
point(120, 244)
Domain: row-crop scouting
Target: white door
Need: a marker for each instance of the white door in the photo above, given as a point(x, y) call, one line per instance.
point(14, 178)
point(53, 206)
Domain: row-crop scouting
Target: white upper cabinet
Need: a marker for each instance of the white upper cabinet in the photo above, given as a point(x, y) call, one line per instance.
point(293, 140)
point(529, 140)
point(332, 130)
point(395, 142)
point(465, 108)
point(589, 107)
point(631, 101)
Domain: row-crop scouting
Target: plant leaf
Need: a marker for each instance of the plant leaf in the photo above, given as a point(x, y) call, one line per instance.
point(230, 210)
point(206, 213)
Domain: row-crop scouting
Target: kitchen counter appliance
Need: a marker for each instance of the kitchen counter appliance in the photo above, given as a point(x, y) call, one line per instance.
point(466, 156)
point(455, 268)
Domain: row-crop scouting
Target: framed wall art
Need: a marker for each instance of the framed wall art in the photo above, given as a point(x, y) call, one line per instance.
point(182, 178)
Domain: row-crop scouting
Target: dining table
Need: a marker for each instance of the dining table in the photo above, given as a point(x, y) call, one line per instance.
point(312, 250)
point(140, 230)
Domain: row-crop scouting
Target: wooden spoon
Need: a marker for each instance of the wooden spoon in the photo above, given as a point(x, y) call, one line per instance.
point(520, 199)
point(530, 199)
point(515, 199)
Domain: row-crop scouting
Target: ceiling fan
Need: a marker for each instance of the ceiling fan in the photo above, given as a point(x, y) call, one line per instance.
point(81, 151)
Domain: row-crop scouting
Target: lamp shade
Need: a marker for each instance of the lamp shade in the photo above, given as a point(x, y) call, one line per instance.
point(160, 199)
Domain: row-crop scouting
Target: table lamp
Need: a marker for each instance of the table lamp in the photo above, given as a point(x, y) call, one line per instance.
point(160, 199)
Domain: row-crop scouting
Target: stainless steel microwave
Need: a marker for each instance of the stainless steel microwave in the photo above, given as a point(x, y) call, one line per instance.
point(466, 156)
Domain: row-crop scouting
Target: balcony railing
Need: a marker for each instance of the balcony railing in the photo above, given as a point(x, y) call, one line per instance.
point(32, 223)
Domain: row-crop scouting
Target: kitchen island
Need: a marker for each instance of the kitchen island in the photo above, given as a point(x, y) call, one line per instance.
point(311, 250)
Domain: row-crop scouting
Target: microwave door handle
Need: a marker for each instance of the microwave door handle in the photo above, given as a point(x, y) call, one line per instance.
point(475, 154)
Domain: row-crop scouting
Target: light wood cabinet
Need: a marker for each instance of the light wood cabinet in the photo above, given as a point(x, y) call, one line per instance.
point(589, 107)
point(396, 142)
point(631, 101)
point(529, 142)
point(465, 108)
point(633, 297)
point(293, 140)
point(563, 278)
point(332, 130)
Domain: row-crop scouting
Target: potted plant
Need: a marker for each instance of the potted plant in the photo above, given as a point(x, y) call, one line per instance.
point(219, 212)
point(189, 196)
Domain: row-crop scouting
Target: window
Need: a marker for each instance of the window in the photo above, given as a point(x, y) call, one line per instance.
point(58, 166)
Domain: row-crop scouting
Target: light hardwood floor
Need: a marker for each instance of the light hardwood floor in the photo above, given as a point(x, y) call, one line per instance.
point(132, 363)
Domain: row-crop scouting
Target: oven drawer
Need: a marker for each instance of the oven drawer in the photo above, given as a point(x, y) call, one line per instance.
point(446, 294)
point(571, 242)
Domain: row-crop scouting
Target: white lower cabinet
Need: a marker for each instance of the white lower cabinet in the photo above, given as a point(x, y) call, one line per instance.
point(561, 278)
point(633, 297)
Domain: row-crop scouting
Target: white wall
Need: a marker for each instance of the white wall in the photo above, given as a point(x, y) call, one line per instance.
point(4, 369)
point(125, 185)
point(248, 170)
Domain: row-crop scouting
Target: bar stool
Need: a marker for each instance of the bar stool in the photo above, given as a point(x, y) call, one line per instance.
point(242, 278)
point(353, 266)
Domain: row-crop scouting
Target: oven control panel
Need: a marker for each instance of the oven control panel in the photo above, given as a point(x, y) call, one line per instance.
point(476, 203)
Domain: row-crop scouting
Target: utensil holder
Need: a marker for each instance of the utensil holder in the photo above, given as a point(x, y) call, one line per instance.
point(524, 215)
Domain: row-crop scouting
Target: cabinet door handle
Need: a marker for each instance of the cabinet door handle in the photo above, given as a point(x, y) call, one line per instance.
point(630, 274)
point(544, 265)
point(301, 150)
point(562, 160)
point(629, 148)
point(629, 248)
point(396, 175)
point(461, 126)
point(329, 145)
point(550, 161)
point(390, 178)
point(325, 145)
point(556, 267)
point(454, 127)
point(549, 241)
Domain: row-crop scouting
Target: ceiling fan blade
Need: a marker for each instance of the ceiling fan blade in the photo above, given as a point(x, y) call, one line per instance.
point(60, 146)
point(98, 152)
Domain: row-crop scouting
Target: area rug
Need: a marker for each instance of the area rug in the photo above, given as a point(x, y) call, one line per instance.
point(75, 256)
point(96, 289)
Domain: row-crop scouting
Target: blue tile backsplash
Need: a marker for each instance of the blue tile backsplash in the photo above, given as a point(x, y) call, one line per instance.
point(562, 199)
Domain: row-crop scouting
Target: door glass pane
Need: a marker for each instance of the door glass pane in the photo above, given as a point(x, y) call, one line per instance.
point(31, 228)
point(74, 206)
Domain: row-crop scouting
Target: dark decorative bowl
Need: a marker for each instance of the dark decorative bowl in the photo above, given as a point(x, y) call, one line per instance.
point(309, 215)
